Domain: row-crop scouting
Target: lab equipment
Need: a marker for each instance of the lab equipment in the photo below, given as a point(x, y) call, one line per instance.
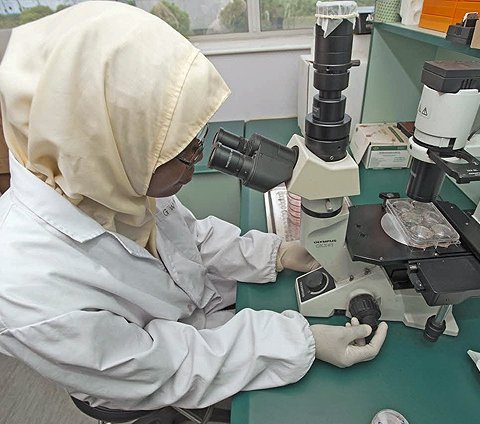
point(366, 271)
point(389, 416)
point(446, 113)
point(260, 163)
point(417, 224)
point(444, 272)
point(462, 32)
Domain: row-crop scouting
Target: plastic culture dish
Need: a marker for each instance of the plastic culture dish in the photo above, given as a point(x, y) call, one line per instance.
point(421, 224)
point(389, 416)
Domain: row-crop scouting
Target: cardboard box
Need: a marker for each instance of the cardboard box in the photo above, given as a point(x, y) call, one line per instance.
point(380, 146)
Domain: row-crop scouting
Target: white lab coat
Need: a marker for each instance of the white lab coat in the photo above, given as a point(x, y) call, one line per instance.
point(95, 312)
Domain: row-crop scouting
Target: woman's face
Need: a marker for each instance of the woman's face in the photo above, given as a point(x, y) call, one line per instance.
point(169, 178)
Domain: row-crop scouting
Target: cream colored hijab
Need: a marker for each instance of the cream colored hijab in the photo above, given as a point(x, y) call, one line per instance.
point(95, 98)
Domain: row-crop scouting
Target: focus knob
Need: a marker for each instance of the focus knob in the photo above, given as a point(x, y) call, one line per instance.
point(366, 309)
point(317, 285)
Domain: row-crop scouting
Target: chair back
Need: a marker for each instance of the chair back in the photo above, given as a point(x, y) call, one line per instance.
point(110, 415)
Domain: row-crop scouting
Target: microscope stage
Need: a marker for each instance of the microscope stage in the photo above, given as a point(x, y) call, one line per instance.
point(368, 242)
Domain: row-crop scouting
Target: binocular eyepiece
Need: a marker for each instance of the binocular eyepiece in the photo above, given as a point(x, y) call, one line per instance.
point(258, 162)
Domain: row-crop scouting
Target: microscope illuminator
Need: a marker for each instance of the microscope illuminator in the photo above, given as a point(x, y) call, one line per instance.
point(446, 113)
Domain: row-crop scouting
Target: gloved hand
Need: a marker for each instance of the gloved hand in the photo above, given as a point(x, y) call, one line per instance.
point(345, 346)
point(292, 255)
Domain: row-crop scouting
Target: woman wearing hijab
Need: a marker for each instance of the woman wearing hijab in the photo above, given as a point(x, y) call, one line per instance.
point(115, 298)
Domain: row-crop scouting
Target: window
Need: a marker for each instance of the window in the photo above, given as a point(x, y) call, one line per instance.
point(246, 16)
point(192, 17)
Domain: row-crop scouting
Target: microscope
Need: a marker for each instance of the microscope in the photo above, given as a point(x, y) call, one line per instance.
point(405, 260)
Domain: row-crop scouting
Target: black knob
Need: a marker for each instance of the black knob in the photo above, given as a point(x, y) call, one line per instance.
point(366, 309)
point(433, 329)
point(316, 285)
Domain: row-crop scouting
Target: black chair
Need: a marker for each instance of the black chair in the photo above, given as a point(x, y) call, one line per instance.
point(168, 415)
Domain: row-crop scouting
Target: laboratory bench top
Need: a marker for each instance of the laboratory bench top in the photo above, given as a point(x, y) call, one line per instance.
point(429, 383)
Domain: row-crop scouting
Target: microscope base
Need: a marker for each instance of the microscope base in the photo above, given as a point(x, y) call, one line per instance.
point(404, 305)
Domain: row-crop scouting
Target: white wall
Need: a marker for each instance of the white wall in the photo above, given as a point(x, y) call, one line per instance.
point(265, 84)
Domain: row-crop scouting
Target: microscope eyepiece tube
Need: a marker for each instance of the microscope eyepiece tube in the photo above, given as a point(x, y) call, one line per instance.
point(264, 165)
point(230, 140)
point(235, 142)
point(230, 161)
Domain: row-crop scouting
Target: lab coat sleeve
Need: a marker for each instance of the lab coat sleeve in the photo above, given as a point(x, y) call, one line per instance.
point(167, 362)
point(228, 254)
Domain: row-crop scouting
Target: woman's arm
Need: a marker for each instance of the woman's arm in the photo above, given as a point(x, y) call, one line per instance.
point(228, 254)
point(123, 366)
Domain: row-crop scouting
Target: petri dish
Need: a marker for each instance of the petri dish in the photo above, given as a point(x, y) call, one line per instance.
point(389, 416)
point(403, 206)
point(431, 218)
point(421, 232)
point(442, 231)
point(411, 218)
point(421, 225)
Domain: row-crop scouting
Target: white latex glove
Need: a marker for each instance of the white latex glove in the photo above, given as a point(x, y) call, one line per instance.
point(292, 255)
point(345, 346)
